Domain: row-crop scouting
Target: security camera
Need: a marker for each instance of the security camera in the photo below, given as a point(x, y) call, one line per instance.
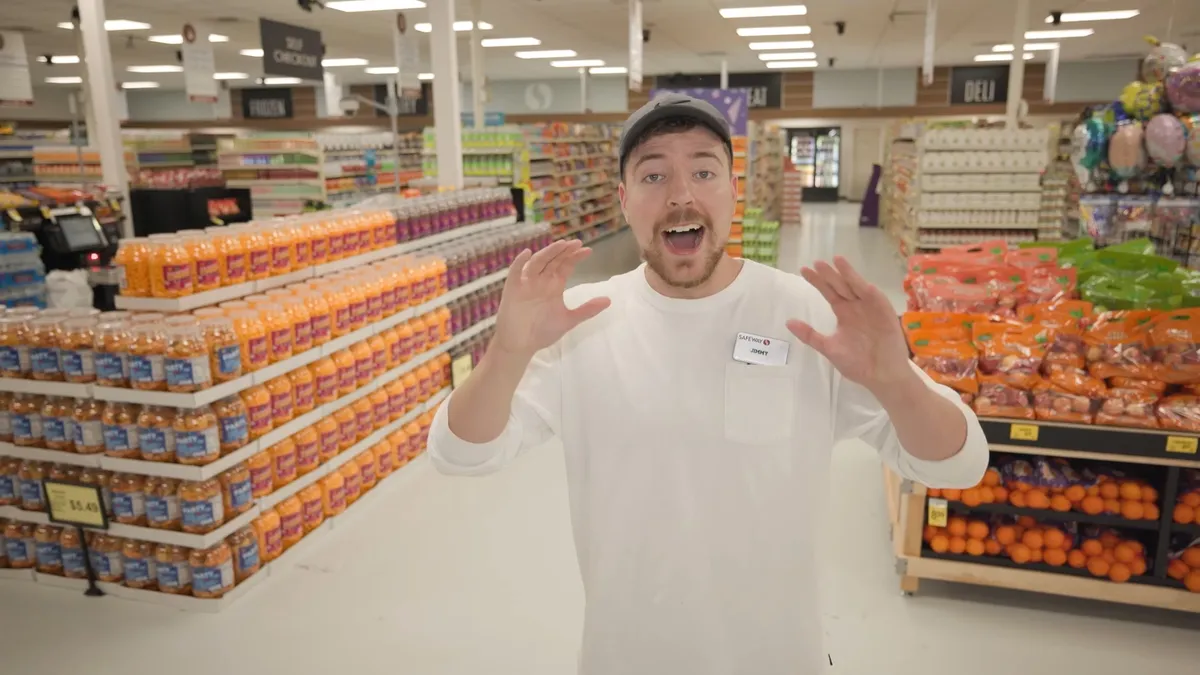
point(832, 61)
point(645, 35)
point(841, 27)
point(349, 106)
point(307, 5)
point(47, 59)
point(1056, 18)
point(179, 55)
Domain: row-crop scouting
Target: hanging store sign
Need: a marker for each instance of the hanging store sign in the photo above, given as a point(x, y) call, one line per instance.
point(290, 50)
point(199, 66)
point(404, 51)
point(16, 87)
point(267, 104)
point(635, 45)
point(764, 90)
point(409, 106)
point(975, 85)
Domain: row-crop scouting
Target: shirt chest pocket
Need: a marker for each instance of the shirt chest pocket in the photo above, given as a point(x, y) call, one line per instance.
point(759, 404)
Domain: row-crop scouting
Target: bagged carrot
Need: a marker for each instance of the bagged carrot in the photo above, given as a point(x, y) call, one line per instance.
point(997, 398)
point(1124, 407)
point(1118, 345)
point(1180, 412)
point(1010, 351)
point(1054, 404)
point(1175, 344)
point(952, 363)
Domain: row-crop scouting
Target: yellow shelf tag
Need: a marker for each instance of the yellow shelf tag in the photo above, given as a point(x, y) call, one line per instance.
point(75, 504)
point(1023, 432)
point(15, 215)
point(1184, 445)
point(939, 512)
point(460, 370)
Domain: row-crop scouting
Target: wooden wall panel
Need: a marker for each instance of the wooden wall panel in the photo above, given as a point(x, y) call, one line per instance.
point(797, 90)
point(938, 92)
point(1035, 82)
point(638, 99)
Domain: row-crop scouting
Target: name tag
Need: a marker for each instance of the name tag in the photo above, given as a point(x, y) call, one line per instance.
point(759, 350)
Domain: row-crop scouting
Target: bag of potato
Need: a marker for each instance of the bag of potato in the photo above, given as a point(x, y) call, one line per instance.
point(1118, 345)
point(1175, 344)
point(998, 398)
point(1179, 412)
point(1010, 351)
point(1127, 407)
point(949, 362)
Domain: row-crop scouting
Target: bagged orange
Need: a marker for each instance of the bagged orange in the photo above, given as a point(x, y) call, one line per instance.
point(1118, 345)
point(1175, 343)
point(997, 398)
point(952, 363)
point(1010, 351)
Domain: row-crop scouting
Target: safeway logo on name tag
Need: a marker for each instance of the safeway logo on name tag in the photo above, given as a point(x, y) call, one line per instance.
point(759, 350)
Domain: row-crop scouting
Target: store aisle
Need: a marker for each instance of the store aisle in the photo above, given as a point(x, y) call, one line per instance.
point(457, 576)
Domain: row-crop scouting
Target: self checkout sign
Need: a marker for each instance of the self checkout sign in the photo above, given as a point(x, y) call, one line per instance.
point(75, 504)
point(978, 85)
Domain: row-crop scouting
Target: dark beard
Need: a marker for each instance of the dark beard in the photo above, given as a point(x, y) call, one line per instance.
point(655, 260)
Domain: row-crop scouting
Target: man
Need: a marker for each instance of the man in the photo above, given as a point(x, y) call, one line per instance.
point(697, 433)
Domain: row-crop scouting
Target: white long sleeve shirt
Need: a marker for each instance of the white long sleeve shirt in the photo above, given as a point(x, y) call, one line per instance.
point(696, 481)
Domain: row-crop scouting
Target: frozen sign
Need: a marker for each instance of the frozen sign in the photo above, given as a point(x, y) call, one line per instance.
point(733, 104)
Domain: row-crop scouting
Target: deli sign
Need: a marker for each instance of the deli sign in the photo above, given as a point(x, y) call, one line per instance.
point(291, 51)
point(978, 85)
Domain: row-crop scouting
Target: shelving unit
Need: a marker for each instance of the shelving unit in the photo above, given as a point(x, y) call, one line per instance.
point(572, 179)
point(60, 165)
point(16, 164)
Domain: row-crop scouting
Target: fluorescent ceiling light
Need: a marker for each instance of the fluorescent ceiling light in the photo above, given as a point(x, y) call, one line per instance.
point(425, 76)
point(458, 26)
point(774, 30)
point(1113, 15)
point(1001, 57)
point(1057, 34)
point(383, 70)
point(795, 44)
point(373, 5)
point(1029, 47)
point(113, 24)
point(230, 76)
point(511, 42)
point(547, 54)
point(334, 63)
point(578, 63)
point(787, 56)
point(58, 60)
point(609, 70)
point(281, 80)
point(140, 85)
point(757, 12)
point(791, 64)
point(155, 69)
point(178, 39)
point(256, 53)
point(64, 80)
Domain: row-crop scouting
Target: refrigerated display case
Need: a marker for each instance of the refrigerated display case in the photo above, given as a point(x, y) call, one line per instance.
point(816, 156)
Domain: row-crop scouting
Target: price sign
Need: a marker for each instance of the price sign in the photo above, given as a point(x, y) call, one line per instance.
point(15, 215)
point(1023, 432)
point(1183, 445)
point(460, 369)
point(938, 512)
point(75, 504)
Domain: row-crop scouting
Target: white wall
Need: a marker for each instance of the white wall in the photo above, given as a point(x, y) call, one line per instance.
point(49, 103)
point(165, 104)
point(606, 93)
point(1094, 80)
point(861, 88)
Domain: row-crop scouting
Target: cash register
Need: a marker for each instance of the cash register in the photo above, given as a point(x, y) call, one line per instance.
point(72, 238)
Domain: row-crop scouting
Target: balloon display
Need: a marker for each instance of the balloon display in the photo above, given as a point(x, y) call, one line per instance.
point(1126, 155)
point(1165, 140)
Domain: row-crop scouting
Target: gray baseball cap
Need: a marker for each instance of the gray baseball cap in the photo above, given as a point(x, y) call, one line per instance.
point(668, 106)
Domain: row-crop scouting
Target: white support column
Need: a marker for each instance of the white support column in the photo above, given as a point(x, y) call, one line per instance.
point(105, 135)
point(724, 73)
point(476, 66)
point(1050, 86)
point(1016, 72)
point(583, 90)
point(447, 108)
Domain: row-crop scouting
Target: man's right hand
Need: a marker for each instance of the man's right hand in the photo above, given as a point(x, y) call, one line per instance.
point(532, 313)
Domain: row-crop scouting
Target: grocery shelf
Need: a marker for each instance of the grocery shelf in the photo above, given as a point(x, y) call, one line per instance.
point(999, 207)
point(148, 533)
point(43, 455)
point(941, 190)
point(44, 387)
point(973, 170)
point(1193, 530)
point(1083, 440)
point(1060, 516)
point(964, 226)
point(1066, 570)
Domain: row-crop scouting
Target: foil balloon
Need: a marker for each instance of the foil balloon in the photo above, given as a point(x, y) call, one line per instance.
point(1191, 124)
point(1142, 100)
point(1164, 58)
point(1183, 87)
point(1126, 155)
point(1166, 140)
point(1095, 145)
point(1079, 146)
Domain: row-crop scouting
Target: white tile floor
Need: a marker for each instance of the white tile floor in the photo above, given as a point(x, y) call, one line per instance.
point(447, 576)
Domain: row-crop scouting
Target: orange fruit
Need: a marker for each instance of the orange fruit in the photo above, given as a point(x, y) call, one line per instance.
point(1035, 555)
point(1055, 557)
point(1075, 493)
point(1112, 506)
point(1027, 522)
point(1150, 511)
point(1017, 498)
point(957, 545)
point(987, 495)
point(934, 492)
point(1000, 493)
point(1091, 548)
point(1133, 510)
point(1177, 569)
point(952, 494)
point(1033, 539)
point(991, 477)
point(1098, 566)
point(1110, 490)
point(1192, 499)
point(1136, 546)
point(970, 497)
point(1191, 557)
point(940, 543)
point(1124, 553)
point(1006, 534)
point(1109, 556)
point(1119, 573)
point(1077, 559)
point(1054, 538)
point(1109, 539)
point(1060, 503)
point(977, 529)
point(1183, 514)
point(1131, 491)
point(1149, 494)
point(1092, 490)
point(975, 547)
point(1092, 505)
point(957, 526)
point(928, 532)
point(1020, 553)
point(1192, 581)
point(1197, 519)
point(992, 547)
point(1038, 499)
point(1138, 567)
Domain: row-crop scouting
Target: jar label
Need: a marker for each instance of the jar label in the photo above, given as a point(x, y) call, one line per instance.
point(366, 421)
point(403, 295)
point(5, 424)
point(281, 258)
point(235, 267)
point(308, 455)
point(128, 505)
point(202, 513)
point(120, 438)
point(79, 363)
point(27, 427)
point(192, 371)
point(374, 307)
point(177, 278)
point(212, 580)
point(354, 485)
point(386, 461)
point(162, 511)
point(229, 359)
point(388, 298)
point(273, 540)
point(21, 551)
point(327, 387)
point(285, 467)
point(363, 370)
point(383, 411)
point(303, 335)
point(348, 377)
point(108, 565)
point(281, 343)
point(8, 488)
point(368, 472)
point(208, 273)
point(45, 360)
point(257, 351)
point(174, 575)
point(111, 366)
point(54, 430)
point(406, 349)
point(197, 444)
point(358, 312)
point(260, 263)
point(89, 434)
point(303, 254)
point(379, 361)
point(260, 418)
point(341, 319)
point(147, 369)
point(329, 443)
point(293, 525)
point(261, 480)
point(235, 431)
point(72, 562)
point(348, 430)
point(241, 494)
point(49, 554)
point(140, 571)
point(313, 512)
point(335, 246)
point(281, 406)
point(305, 394)
point(321, 327)
point(156, 442)
point(337, 499)
point(10, 360)
point(320, 249)
point(247, 555)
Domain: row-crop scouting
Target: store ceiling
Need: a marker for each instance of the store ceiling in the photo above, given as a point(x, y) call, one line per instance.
point(685, 35)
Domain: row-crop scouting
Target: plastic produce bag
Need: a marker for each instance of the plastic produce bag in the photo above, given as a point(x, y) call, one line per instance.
point(1180, 412)
point(1074, 380)
point(1175, 345)
point(1118, 345)
point(68, 289)
point(1011, 352)
point(952, 363)
point(1125, 407)
point(1053, 404)
point(997, 398)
